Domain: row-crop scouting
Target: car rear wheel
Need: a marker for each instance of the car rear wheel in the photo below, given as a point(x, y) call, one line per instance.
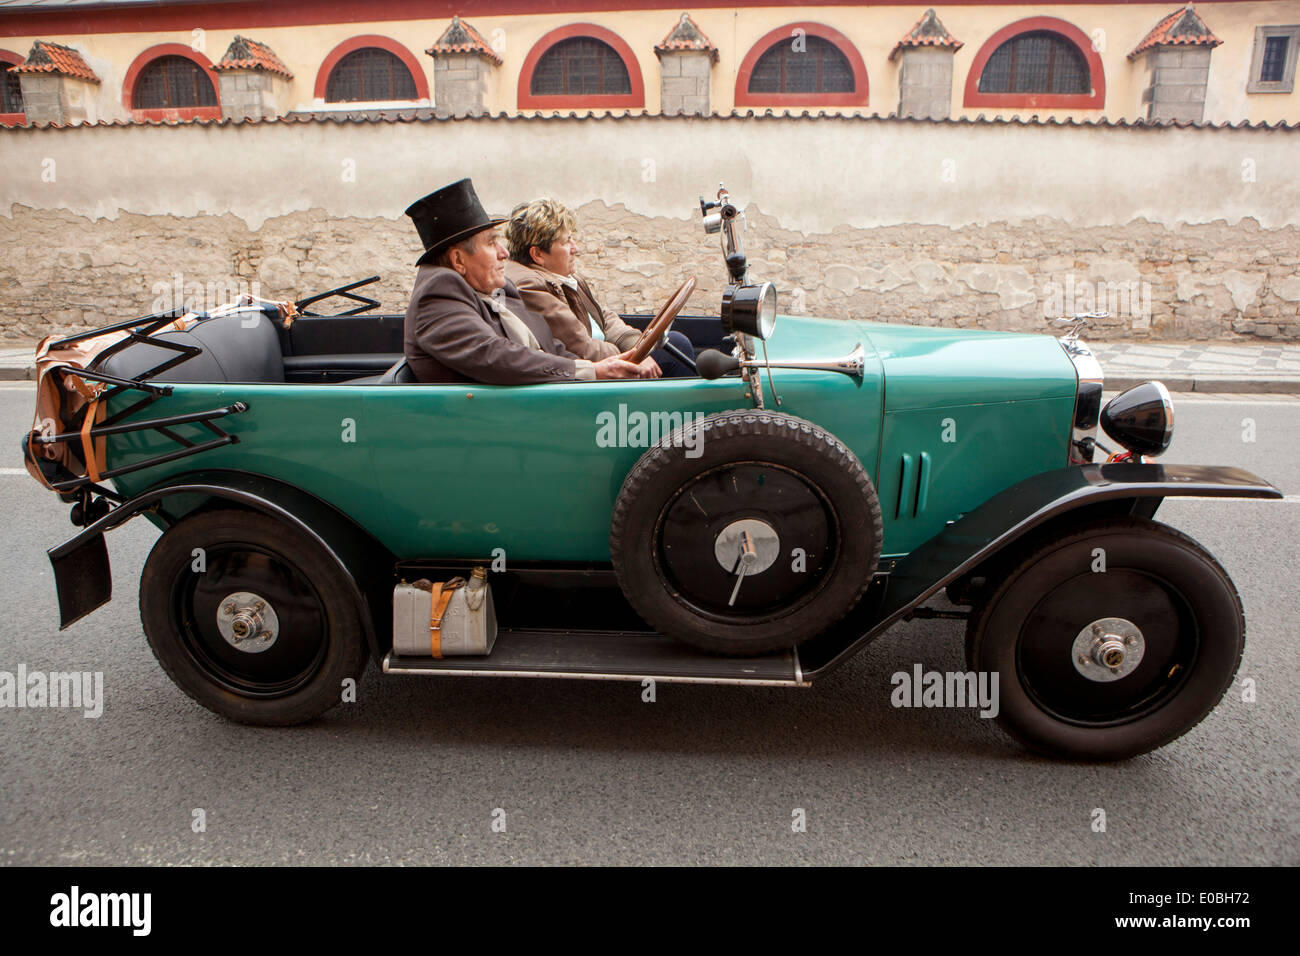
point(251, 618)
point(762, 493)
point(1109, 642)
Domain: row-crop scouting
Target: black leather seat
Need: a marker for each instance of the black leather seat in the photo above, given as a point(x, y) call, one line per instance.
point(240, 347)
point(399, 374)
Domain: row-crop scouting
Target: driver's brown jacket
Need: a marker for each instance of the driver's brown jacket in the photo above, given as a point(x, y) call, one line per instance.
point(453, 335)
point(566, 311)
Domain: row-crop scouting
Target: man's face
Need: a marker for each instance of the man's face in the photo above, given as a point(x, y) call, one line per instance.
point(484, 268)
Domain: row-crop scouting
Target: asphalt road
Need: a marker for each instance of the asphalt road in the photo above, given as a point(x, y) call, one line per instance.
point(586, 772)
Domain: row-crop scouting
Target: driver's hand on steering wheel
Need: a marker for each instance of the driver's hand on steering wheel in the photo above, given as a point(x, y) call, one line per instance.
point(650, 368)
point(617, 366)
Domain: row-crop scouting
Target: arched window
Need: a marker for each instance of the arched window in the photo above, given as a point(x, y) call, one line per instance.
point(580, 66)
point(173, 82)
point(11, 90)
point(813, 66)
point(368, 75)
point(1040, 63)
point(802, 64)
point(1037, 62)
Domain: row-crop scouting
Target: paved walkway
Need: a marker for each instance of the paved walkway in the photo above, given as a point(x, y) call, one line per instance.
point(1183, 367)
point(1201, 366)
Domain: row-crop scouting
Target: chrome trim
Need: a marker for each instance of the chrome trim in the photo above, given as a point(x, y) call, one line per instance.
point(1168, 402)
point(798, 681)
point(1087, 370)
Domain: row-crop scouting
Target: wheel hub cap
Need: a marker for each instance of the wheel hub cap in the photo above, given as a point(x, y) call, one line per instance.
point(1108, 649)
point(247, 622)
point(766, 545)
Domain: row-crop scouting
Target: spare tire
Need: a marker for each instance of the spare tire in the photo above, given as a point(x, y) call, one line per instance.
point(807, 507)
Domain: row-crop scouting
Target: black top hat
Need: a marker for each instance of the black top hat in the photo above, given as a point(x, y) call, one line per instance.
point(447, 216)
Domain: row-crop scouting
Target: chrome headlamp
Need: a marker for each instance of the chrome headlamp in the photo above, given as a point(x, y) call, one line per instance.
point(1141, 419)
point(750, 309)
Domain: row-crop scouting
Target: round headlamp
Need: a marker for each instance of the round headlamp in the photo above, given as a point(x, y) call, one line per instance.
point(750, 309)
point(1141, 419)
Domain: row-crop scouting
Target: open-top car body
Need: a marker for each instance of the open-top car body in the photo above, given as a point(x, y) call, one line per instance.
point(819, 481)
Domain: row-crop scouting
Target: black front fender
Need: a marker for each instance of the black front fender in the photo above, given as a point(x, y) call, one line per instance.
point(81, 568)
point(1004, 519)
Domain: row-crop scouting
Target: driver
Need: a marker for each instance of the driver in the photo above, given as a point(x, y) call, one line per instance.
point(466, 323)
point(542, 264)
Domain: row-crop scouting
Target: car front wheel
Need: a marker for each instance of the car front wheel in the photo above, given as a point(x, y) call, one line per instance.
point(1109, 642)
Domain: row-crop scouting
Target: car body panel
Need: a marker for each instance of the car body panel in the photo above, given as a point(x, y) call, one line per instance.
point(455, 471)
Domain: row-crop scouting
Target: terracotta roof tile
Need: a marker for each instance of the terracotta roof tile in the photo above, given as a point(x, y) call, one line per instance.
point(1181, 28)
point(47, 57)
point(686, 36)
point(460, 37)
point(246, 54)
point(927, 32)
point(430, 115)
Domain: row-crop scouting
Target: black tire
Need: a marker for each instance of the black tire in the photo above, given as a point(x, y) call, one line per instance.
point(798, 479)
point(319, 638)
point(1192, 632)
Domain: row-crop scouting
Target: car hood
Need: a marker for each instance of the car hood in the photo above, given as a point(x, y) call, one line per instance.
point(934, 368)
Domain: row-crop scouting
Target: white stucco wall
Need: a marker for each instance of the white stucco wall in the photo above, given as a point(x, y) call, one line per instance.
point(811, 175)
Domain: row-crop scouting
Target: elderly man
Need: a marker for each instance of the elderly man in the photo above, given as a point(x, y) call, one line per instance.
point(543, 267)
point(466, 323)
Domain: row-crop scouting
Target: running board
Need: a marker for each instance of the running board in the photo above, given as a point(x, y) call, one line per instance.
point(607, 655)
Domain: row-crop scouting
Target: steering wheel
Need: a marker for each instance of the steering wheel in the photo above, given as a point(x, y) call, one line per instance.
point(661, 323)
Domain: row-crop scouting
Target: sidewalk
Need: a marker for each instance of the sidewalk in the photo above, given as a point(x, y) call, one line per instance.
point(1183, 367)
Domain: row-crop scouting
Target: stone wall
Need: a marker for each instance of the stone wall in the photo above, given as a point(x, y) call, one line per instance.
point(1208, 281)
point(1166, 233)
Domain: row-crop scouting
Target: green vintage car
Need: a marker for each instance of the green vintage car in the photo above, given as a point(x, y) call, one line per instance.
point(817, 482)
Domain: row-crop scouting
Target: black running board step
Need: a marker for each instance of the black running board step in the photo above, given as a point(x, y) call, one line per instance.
point(606, 655)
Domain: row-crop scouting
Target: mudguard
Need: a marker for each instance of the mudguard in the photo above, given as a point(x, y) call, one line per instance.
point(1007, 517)
point(81, 567)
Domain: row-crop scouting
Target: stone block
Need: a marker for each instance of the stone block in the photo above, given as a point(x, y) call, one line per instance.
point(670, 64)
point(696, 64)
point(678, 86)
point(695, 104)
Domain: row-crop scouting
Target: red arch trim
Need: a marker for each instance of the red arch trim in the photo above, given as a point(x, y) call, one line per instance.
point(12, 119)
point(1087, 101)
point(633, 100)
point(781, 34)
point(187, 113)
point(363, 42)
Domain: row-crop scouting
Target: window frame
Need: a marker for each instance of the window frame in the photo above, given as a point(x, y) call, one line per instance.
point(861, 88)
point(12, 119)
point(1287, 84)
point(1094, 100)
point(526, 100)
point(361, 42)
point(169, 113)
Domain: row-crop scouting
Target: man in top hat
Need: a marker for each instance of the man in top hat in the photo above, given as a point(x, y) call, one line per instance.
point(466, 323)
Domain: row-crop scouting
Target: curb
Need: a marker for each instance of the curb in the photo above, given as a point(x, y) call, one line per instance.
point(1208, 384)
point(15, 374)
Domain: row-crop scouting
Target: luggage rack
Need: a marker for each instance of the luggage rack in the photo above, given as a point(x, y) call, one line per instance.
point(141, 331)
point(137, 331)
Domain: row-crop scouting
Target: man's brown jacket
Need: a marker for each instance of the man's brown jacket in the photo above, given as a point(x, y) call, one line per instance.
point(566, 311)
point(453, 335)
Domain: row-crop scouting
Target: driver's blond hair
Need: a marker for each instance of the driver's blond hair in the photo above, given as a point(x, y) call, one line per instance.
point(537, 223)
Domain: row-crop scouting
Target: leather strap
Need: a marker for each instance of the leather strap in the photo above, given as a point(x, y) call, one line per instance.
point(88, 444)
point(441, 597)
